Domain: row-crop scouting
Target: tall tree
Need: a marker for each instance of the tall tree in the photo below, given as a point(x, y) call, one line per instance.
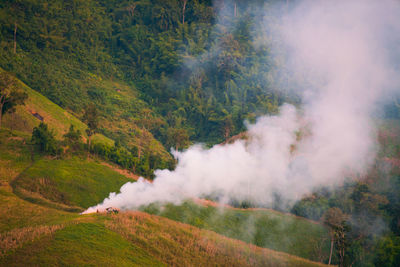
point(227, 126)
point(43, 139)
point(15, 37)
point(177, 138)
point(91, 118)
point(183, 11)
point(10, 96)
point(73, 138)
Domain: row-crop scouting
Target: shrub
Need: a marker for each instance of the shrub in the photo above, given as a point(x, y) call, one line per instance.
point(44, 141)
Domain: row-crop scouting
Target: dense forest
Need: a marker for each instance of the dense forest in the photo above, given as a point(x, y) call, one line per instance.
point(175, 72)
point(183, 66)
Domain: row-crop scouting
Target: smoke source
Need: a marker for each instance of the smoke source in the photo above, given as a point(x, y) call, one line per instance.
point(340, 59)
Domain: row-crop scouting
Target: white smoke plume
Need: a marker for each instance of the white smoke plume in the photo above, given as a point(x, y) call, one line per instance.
point(340, 55)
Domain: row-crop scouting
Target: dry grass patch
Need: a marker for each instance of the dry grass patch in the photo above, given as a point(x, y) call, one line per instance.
point(17, 237)
point(179, 244)
point(16, 213)
point(118, 169)
point(7, 172)
point(37, 198)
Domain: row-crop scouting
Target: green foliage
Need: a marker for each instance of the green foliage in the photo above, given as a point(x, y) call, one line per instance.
point(10, 96)
point(73, 139)
point(194, 72)
point(358, 215)
point(90, 117)
point(311, 207)
point(15, 98)
point(177, 138)
point(145, 165)
point(388, 252)
point(44, 141)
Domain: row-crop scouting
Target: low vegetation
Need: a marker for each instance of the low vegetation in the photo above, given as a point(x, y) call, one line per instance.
point(178, 244)
point(72, 181)
point(17, 237)
point(264, 228)
point(140, 239)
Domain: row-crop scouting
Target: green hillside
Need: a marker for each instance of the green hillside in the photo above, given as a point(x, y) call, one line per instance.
point(264, 228)
point(37, 229)
point(143, 64)
point(135, 78)
point(134, 239)
point(58, 119)
point(142, 147)
point(73, 182)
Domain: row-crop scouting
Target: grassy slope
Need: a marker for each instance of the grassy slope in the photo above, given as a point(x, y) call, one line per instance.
point(70, 184)
point(81, 244)
point(139, 239)
point(32, 234)
point(57, 118)
point(80, 183)
point(72, 181)
point(118, 124)
point(120, 105)
point(263, 228)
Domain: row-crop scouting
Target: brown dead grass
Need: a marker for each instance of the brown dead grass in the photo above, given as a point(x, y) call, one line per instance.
point(240, 136)
point(7, 172)
point(124, 172)
point(17, 237)
point(178, 244)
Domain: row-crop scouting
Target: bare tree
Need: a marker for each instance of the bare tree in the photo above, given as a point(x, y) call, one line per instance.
point(131, 9)
point(183, 11)
point(15, 37)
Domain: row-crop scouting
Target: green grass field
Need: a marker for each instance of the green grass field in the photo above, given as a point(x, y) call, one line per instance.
point(264, 228)
point(73, 181)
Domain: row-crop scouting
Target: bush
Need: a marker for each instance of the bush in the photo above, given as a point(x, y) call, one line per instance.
point(73, 139)
point(117, 154)
point(44, 141)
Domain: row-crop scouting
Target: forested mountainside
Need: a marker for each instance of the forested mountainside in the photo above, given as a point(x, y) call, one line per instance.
point(99, 91)
point(169, 67)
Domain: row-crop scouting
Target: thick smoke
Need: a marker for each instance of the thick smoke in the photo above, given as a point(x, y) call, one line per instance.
point(339, 57)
